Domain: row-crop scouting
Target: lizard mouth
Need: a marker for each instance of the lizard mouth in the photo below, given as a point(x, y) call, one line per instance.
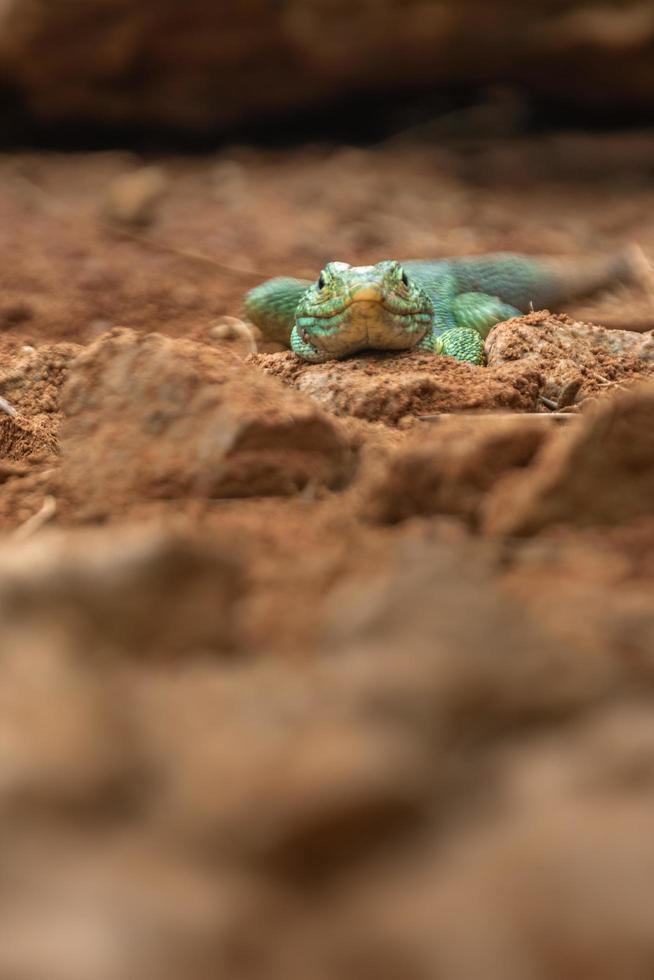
point(400, 309)
point(365, 324)
point(372, 296)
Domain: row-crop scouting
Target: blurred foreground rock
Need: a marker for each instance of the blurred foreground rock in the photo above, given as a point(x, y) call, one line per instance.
point(138, 591)
point(450, 467)
point(444, 789)
point(201, 66)
point(598, 472)
point(151, 417)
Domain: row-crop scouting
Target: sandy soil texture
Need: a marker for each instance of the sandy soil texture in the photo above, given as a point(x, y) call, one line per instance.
point(321, 671)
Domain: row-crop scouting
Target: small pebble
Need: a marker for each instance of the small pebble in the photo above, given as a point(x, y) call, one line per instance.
point(132, 198)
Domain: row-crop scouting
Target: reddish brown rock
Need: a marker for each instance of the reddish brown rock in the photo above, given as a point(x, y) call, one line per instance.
point(314, 783)
point(140, 591)
point(202, 66)
point(31, 377)
point(597, 471)
point(388, 387)
point(20, 437)
point(150, 417)
point(564, 886)
point(30, 381)
point(64, 741)
point(449, 467)
point(567, 352)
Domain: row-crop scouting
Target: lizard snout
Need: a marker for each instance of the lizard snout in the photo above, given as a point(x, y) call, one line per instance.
point(367, 292)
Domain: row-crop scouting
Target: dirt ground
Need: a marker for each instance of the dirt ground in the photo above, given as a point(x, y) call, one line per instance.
point(297, 679)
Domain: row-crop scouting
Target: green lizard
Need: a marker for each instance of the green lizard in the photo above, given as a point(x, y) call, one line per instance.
point(445, 307)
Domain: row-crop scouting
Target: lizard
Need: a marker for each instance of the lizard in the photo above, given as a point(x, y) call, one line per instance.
point(445, 306)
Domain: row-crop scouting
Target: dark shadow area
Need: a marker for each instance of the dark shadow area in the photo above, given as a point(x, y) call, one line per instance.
point(458, 114)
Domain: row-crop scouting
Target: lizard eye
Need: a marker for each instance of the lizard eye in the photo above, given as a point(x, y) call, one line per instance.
point(321, 281)
point(405, 278)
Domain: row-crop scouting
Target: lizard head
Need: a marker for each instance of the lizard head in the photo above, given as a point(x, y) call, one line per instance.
point(352, 308)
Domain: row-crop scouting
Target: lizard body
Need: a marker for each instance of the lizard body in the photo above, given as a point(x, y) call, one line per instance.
point(444, 306)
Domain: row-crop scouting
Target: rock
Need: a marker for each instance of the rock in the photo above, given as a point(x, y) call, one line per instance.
point(144, 592)
point(567, 896)
point(118, 62)
point(31, 377)
point(132, 198)
point(566, 883)
point(30, 381)
point(233, 332)
point(389, 387)
point(438, 641)
point(599, 471)
point(567, 352)
point(64, 744)
point(117, 906)
point(315, 783)
point(151, 417)
point(593, 588)
point(23, 437)
point(449, 467)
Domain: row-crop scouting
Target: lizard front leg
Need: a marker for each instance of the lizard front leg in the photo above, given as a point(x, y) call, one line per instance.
point(464, 343)
point(474, 315)
point(305, 349)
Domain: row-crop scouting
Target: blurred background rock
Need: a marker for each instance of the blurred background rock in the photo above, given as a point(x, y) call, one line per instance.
point(200, 67)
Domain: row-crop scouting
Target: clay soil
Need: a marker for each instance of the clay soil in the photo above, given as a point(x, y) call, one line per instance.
point(327, 671)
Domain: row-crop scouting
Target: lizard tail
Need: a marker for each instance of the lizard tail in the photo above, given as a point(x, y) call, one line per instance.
point(539, 283)
point(582, 278)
